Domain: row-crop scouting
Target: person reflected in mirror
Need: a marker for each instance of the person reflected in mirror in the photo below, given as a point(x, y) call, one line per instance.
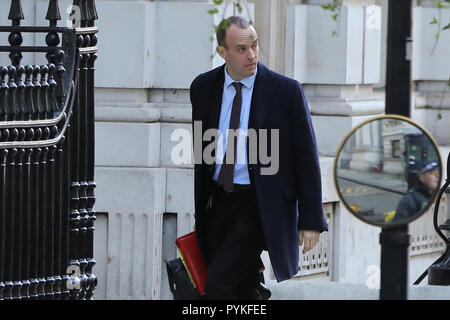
point(418, 198)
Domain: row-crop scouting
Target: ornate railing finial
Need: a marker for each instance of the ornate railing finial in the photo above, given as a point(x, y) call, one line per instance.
point(93, 9)
point(15, 38)
point(3, 92)
point(84, 13)
point(53, 13)
point(15, 12)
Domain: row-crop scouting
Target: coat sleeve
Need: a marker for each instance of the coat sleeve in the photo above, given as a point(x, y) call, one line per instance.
point(405, 209)
point(193, 97)
point(194, 91)
point(306, 167)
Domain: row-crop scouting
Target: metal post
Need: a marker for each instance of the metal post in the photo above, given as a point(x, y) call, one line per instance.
point(398, 62)
point(395, 241)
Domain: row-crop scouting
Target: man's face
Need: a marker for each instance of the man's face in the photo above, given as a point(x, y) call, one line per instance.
point(430, 179)
point(241, 52)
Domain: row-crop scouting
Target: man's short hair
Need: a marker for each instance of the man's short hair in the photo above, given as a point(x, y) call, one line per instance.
point(226, 23)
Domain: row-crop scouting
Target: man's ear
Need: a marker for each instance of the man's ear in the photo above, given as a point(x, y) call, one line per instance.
point(221, 51)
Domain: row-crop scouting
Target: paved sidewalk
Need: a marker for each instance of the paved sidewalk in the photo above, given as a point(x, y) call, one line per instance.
point(329, 290)
point(385, 181)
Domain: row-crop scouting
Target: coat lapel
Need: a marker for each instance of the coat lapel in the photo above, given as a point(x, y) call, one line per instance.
point(259, 107)
point(260, 98)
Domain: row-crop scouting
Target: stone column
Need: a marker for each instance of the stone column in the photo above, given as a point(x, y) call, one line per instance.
point(270, 22)
point(431, 76)
point(431, 71)
point(338, 62)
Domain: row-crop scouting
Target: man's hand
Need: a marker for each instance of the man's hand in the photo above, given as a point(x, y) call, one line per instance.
point(309, 238)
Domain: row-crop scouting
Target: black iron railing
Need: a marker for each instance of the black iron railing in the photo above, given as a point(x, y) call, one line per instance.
point(47, 159)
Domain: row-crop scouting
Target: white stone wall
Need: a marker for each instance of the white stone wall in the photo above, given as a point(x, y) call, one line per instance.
point(431, 71)
point(314, 55)
point(141, 101)
point(338, 63)
point(339, 73)
point(431, 101)
point(138, 111)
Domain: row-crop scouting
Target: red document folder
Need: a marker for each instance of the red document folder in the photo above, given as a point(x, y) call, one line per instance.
point(192, 259)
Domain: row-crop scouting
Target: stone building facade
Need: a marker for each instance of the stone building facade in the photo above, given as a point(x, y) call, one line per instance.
point(150, 51)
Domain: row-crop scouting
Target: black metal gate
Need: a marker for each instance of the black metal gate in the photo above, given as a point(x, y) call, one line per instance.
point(47, 157)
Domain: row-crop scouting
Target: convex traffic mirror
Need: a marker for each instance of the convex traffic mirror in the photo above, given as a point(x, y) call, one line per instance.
point(387, 171)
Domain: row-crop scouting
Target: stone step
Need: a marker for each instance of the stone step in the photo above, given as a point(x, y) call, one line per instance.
point(324, 290)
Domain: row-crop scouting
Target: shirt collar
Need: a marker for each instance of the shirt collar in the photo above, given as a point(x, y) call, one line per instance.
point(247, 82)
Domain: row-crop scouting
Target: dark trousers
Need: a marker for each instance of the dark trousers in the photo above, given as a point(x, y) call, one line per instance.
point(234, 244)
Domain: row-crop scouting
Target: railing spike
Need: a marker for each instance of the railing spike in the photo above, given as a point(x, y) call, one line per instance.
point(93, 9)
point(15, 11)
point(53, 13)
point(88, 14)
point(91, 12)
point(84, 12)
point(3, 91)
